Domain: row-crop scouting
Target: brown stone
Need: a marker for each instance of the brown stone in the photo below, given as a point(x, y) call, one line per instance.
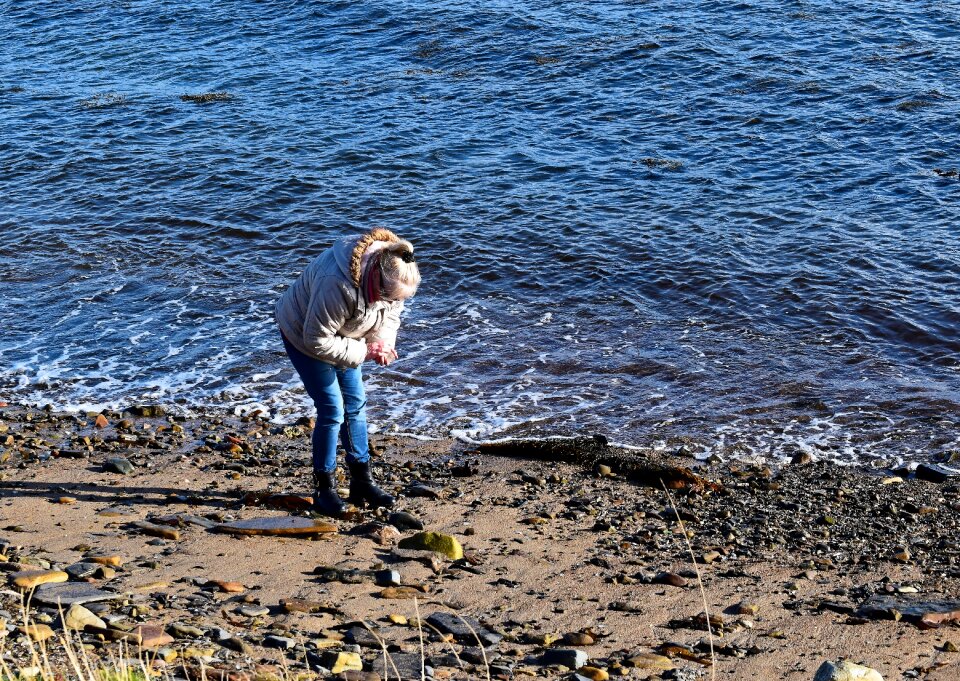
point(152, 635)
point(161, 531)
point(36, 632)
point(670, 578)
point(228, 587)
point(29, 579)
point(400, 592)
point(310, 607)
point(101, 421)
point(112, 561)
point(282, 526)
point(66, 500)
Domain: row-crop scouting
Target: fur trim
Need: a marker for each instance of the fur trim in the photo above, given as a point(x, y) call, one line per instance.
point(376, 234)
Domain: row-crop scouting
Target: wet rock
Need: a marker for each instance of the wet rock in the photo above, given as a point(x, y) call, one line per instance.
point(79, 617)
point(434, 541)
point(936, 472)
point(118, 465)
point(565, 657)
point(147, 410)
point(844, 670)
point(405, 521)
point(284, 526)
point(463, 629)
point(101, 421)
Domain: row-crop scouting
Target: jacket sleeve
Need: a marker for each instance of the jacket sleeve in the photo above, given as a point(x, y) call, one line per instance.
point(391, 324)
point(329, 308)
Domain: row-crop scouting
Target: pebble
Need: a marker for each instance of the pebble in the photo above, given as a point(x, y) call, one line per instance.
point(405, 521)
point(578, 638)
point(671, 579)
point(30, 579)
point(118, 465)
point(745, 608)
point(70, 593)
point(36, 632)
point(434, 541)
point(78, 617)
point(111, 560)
point(227, 587)
point(281, 642)
point(179, 630)
point(464, 629)
point(346, 662)
point(386, 578)
point(593, 673)
point(153, 530)
point(253, 610)
point(844, 670)
point(400, 592)
point(152, 635)
point(649, 661)
point(565, 657)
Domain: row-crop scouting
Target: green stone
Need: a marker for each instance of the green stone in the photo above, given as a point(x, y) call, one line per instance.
point(434, 541)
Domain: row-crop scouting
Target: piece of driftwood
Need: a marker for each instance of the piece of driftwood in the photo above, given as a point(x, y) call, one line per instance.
point(595, 450)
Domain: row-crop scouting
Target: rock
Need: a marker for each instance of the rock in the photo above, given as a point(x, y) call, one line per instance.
point(565, 657)
point(100, 421)
point(745, 608)
point(936, 473)
point(147, 410)
point(603, 470)
point(400, 592)
point(283, 526)
point(179, 630)
point(649, 661)
point(66, 500)
point(71, 593)
point(408, 666)
point(346, 662)
point(307, 606)
point(924, 612)
point(344, 575)
point(434, 541)
point(381, 534)
point(112, 561)
point(281, 642)
point(118, 465)
point(463, 629)
point(431, 559)
point(151, 635)
point(578, 638)
point(161, 531)
point(405, 521)
point(363, 637)
point(227, 587)
point(78, 617)
point(594, 673)
point(670, 578)
point(386, 578)
point(30, 579)
point(398, 619)
point(418, 488)
point(844, 670)
point(253, 610)
point(36, 632)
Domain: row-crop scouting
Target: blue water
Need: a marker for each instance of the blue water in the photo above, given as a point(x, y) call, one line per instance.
point(727, 226)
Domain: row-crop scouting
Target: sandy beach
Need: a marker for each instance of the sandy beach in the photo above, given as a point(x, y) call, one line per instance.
point(564, 564)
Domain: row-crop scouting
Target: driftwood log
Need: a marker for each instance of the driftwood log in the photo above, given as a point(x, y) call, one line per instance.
point(594, 451)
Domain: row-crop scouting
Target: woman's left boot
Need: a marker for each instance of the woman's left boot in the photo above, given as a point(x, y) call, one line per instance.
point(364, 490)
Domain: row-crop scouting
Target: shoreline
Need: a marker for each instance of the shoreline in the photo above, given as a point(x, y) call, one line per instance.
point(559, 556)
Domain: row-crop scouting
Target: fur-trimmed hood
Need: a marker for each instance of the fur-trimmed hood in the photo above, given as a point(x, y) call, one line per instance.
point(350, 251)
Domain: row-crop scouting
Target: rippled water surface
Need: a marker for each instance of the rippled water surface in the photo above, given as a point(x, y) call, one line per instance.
point(726, 225)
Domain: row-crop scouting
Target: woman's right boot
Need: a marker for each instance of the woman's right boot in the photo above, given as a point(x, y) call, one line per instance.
point(326, 501)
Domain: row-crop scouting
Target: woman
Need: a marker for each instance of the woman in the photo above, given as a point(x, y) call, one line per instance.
point(342, 310)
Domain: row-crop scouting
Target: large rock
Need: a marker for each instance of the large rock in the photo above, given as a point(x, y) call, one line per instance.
point(119, 465)
point(68, 594)
point(845, 670)
point(434, 541)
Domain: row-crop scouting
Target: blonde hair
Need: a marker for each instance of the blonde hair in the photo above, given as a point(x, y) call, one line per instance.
point(401, 276)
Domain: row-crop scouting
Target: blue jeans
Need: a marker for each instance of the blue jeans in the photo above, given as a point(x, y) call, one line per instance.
point(341, 409)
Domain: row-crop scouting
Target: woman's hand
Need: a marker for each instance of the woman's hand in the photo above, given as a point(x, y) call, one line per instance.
point(381, 353)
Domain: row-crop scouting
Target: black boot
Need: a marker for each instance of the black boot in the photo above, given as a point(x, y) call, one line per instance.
point(326, 501)
point(364, 490)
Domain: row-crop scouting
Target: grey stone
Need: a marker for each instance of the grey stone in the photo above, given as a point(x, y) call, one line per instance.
point(281, 642)
point(460, 628)
point(362, 637)
point(119, 465)
point(405, 521)
point(571, 658)
point(253, 610)
point(82, 570)
point(407, 664)
point(68, 593)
